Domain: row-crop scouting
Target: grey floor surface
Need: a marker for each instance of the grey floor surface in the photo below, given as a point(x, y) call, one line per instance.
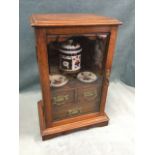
point(115, 139)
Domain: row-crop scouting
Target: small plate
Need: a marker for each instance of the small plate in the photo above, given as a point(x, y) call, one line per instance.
point(87, 77)
point(58, 80)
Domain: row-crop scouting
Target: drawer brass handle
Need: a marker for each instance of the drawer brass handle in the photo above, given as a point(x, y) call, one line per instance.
point(59, 100)
point(91, 94)
point(73, 111)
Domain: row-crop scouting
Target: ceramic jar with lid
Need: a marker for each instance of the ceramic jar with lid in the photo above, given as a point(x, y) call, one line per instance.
point(70, 57)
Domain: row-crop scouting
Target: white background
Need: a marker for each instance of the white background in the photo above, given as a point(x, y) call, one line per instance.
point(145, 77)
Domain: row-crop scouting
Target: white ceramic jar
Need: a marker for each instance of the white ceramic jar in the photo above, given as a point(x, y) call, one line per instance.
point(70, 57)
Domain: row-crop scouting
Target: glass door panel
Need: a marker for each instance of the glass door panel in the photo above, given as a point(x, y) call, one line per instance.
point(76, 69)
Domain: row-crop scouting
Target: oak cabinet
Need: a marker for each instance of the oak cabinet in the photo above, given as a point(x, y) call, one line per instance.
point(77, 103)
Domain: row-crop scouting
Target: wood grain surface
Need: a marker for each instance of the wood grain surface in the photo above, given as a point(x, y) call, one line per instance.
point(71, 20)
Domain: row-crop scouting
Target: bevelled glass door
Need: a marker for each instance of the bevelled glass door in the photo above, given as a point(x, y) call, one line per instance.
point(76, 73)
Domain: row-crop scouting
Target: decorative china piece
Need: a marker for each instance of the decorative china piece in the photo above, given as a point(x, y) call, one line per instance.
point(70, 57)
point(57, 80)
point(87, 77)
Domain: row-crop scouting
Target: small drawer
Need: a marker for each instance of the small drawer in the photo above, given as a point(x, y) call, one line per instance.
point(66, 111)
point(74, 109)
point(63, 97)
point(89, 94)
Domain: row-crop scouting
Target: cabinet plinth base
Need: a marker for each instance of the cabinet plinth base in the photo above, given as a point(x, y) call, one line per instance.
point(63, 128)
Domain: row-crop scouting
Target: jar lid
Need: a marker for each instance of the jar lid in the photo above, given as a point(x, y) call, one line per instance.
point(70, 45)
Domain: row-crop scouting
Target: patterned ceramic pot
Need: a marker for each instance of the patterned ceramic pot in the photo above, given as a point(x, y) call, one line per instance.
point(70, 57)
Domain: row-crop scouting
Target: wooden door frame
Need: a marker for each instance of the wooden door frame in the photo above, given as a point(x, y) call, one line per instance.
point(42, 57)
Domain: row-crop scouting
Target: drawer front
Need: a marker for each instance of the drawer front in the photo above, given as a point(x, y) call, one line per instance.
point(89, 94)
point(66, 111)
point(73, 110)
point(60, 98)
point(89, 98)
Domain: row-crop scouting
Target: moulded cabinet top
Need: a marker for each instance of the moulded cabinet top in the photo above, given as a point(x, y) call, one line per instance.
point(45, 20)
